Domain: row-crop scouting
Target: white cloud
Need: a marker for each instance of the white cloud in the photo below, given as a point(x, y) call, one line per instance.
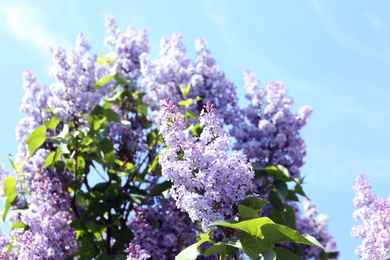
point(29, 23)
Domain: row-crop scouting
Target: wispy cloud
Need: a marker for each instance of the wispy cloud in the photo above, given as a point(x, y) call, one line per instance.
point(29, 23)
point(343, 37)
point(224, 20)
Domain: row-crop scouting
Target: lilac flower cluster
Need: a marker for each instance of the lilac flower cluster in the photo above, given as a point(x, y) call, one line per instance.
point(160, 228)
point(136, 253)
point(374, 213)
point(49, 235)
point(4, 244)
point(311, 222)
point(75, 92)
point(4, 174)
point(270, 135)
point(129, 47)
point(162, 78)
point(33, 106)
point(207, 181)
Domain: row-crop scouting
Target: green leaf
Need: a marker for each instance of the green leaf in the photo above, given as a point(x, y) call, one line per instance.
point(120, 79)
point(53, 158)
point(159, 188)
point(17, 168)
point(8, 204)
point(36, 139)
point(190, 253)
point(275, 233)
point(64, 132)
point(102, 134)
point(251, 207)
point(112, 116)
point(126, 123)
point(281, 188)
point(222, 249)
point(285, 217)
point(292, 196)
point(52, 124)
point(278, 172)
point(298, 189)
point(103, 81)
point(251, 246)
point(268, 255)
point(80, 164)
point(19, 225)
point(9, 186)
point(191, 114)
point(101, 61)
point(186, 103)
point(197, 130)
point(62, 144)
point(275, 200)
point(268, 233)
point(283, 254)
point(143, 109)
point(186, 90)
point(205, 238)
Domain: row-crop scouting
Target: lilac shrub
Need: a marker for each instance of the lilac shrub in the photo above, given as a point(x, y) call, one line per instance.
point(373, 212)
point(207, 181)
point(110, 116)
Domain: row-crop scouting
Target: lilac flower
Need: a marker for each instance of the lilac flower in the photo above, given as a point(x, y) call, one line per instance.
point(4, 174)
point(163, 78)
point(374, 214)
point(207, 182)
point(49, 234)
point(33, 106)
point(134, 253)
point(75, 92)
point(4, 244)
point(160, 228)
point(270, 135)
point(129, 47)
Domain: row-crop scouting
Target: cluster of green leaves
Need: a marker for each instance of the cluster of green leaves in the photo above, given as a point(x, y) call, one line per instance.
point(256, 236)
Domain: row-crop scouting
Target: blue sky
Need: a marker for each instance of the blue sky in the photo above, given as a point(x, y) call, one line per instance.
point(332, 55)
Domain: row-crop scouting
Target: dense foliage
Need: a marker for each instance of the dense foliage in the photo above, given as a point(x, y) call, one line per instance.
point(126, 157)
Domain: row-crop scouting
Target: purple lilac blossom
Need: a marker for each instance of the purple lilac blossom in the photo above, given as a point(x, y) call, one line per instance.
point(207, 182)
point(136, 253)
point(162, 79)
point(4, 244)
point(271, 133)
point(33, 106)
point(160, 228)
point(129, 46)
point(374, 214)
point(49, 235)
point(4, 174)
point(75, 92)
